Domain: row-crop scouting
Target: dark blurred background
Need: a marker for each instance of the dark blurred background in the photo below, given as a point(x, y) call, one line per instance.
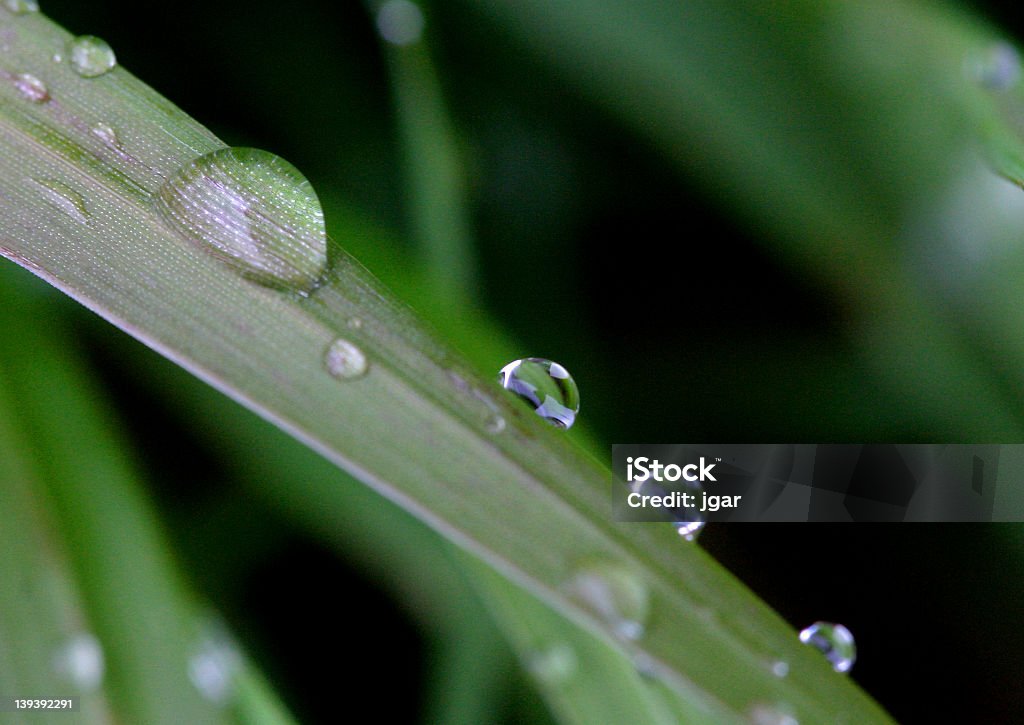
point(678, 317)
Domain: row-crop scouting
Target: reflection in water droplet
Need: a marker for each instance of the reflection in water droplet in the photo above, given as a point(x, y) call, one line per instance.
point(22, 7)
point(31, 88)
point(214, 664)
point(80, 662)
point(400, 22)
point(834, 641)
point(996, 68)
point(64, 198)
point(90, 56)
point(254, 211)
point(345, 361)
point(764, 714)
point(554, 665)
point(616, 594)
point(546, 386)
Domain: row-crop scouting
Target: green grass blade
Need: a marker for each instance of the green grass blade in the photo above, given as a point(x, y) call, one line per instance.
point(418, 427)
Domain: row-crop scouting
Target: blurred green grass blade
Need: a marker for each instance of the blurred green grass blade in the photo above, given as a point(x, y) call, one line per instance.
point(41, 609)
point(147, 624)
point(434, 179)
point(416, 427)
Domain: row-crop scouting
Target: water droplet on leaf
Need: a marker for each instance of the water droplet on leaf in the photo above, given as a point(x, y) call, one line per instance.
point(90, 56)
point(214, 664)
point(254, 211)
point(834, 641)
point(80, 661)
point(345, 361)
point(762, 714)
point(64, 198)
point(107, 135)
point(400, 22)
point(31, 88)
point(616, 594)
point(22, 7)
point(554, 665)
point(546, 386)
point(780, 668)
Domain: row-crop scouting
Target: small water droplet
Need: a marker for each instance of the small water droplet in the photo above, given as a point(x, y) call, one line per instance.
point(494, 423)
point(646, 666)
point(107, 135)
point(400, 22)
point(690, 530)
point(355, 323)
point(996, 67)
point(780, 668)
point(64, 198)
point(345, 361)
point(91, 56)
point(31, 88)
point(546, 386)
point(834, 641)
point(616, 594)
point(252, 210)
point(688, 520)
point(214, 664)
point(80, 661)
point(22, 7)
point(764, 714)
point(57, 58)
point(555, 665)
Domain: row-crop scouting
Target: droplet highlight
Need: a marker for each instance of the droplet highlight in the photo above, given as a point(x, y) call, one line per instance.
point(22, 7)
point(996, 68)
point(546, 386)
point(90, 57)
point(615, 594)
point(834, 641)
point(400, 22)
point(252, 210)
point(64, 198)
point(688, 521)
point(80, 662)
point(555, 665)
point(345, 361)
point(107, 135)
point(764, 714)
point(31, 88)
point(214, 665)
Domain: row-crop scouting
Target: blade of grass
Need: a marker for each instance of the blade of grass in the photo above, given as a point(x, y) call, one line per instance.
point(416, 428)
point(147, 623)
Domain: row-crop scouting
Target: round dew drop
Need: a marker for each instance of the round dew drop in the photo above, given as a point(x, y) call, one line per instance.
point(615, 594)
point(252, 210)
point(91, 56)
point(80, 661)
point(345, 361)
point(546, 386)
point(400, 22)
point(834, 641)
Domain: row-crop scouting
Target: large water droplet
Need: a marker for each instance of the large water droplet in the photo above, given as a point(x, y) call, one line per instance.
point(546, 386)
point(554, 665)
point(345, 361)
point(31, 88)
point(91, 56)
point(64, 198)
point(834, 641)
point(400, 22)
point(22, 7)
point(215, 663)
point(80, 661)
point(254, 211)
point(997, 67)
point(616, 594)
